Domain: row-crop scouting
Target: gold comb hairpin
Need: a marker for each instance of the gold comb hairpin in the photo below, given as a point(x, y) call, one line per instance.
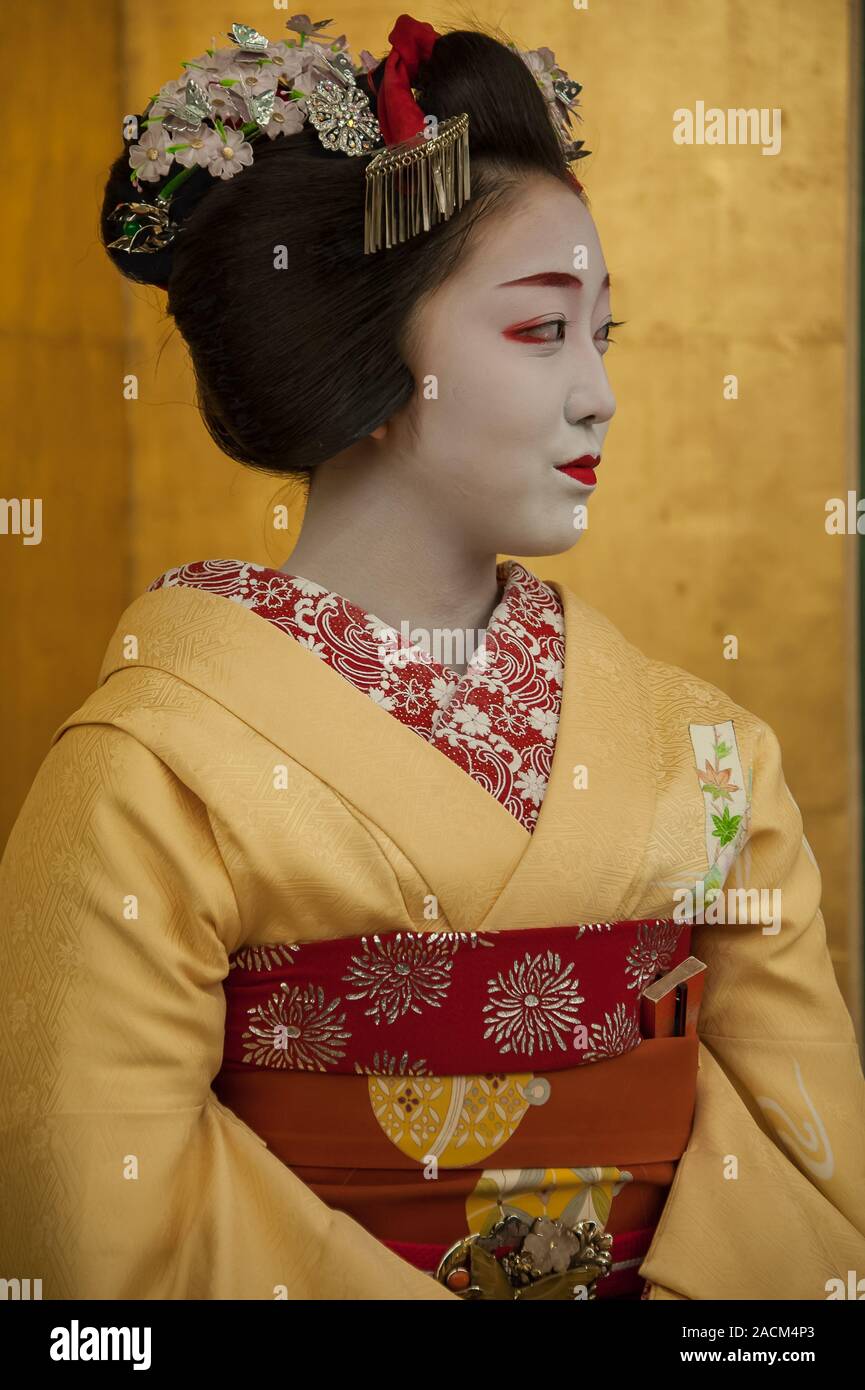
point(413, 185)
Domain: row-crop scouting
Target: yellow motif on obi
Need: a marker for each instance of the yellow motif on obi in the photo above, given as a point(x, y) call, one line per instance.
point(458, 1119)
point(564, 1194)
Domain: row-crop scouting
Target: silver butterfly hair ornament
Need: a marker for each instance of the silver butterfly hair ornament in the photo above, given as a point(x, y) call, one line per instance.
point(231, 97)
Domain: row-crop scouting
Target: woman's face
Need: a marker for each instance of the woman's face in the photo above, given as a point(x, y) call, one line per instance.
point(511, 379)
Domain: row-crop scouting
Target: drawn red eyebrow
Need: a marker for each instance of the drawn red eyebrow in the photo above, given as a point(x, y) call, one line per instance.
point(558, 279)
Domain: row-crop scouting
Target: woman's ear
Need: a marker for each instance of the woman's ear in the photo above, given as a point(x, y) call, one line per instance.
point(379, 432)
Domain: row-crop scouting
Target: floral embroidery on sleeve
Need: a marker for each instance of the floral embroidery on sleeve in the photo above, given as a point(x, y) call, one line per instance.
point(727, 799)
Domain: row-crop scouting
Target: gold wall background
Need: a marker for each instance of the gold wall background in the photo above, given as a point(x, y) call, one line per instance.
point(710, 515)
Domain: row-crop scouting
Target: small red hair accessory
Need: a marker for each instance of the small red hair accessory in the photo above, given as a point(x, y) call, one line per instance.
point(412, 42)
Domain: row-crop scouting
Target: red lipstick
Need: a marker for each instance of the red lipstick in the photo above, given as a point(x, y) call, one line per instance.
point(583, 468)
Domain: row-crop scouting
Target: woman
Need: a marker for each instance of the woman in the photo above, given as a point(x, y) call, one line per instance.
point(328, 946)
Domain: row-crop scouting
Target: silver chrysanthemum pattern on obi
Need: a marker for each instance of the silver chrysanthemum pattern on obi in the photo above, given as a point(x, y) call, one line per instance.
point(296, 1029)
point(402, 974)
point(651, 955)
point(263, 957)
point(618, 1033)
point(534, 1006)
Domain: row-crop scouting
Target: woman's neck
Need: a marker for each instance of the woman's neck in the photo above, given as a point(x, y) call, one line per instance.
point(409, 574)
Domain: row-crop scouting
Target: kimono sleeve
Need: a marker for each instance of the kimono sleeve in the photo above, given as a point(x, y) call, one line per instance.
point(768, 1201)
point(123, 1174)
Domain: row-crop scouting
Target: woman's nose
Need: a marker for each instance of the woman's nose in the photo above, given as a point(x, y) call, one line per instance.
point(591, 401)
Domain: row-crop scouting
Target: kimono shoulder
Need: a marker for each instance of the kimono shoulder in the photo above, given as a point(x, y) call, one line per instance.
point(123, 892)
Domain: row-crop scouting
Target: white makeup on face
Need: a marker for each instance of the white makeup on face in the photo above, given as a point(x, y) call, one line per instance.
point(510, 382)
point(520, 375)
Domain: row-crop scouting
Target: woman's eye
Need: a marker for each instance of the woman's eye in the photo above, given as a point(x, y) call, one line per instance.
point(528, 334)
point(605, 328)
point(553, 331)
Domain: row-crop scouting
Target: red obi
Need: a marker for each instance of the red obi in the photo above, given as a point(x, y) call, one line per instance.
point(430, 1084)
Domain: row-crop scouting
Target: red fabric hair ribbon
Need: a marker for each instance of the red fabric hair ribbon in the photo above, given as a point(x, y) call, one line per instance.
point(398, 113)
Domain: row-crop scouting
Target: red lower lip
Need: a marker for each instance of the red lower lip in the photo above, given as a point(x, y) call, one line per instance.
point(582, 475)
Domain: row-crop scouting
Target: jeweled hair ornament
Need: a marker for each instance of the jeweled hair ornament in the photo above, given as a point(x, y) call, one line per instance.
point(229, 98)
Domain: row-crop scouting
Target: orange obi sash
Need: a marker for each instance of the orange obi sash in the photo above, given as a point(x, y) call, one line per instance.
point(429, 1084)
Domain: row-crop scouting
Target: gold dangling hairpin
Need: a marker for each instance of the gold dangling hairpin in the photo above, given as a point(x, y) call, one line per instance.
point(413, 185)
point(409, 186)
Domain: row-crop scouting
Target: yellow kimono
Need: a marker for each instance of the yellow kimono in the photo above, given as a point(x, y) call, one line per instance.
point(158, 839)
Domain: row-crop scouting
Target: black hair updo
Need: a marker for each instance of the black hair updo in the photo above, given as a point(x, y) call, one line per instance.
point(294, 365)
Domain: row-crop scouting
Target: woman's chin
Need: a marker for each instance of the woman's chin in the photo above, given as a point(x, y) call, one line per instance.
point(556, 535)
